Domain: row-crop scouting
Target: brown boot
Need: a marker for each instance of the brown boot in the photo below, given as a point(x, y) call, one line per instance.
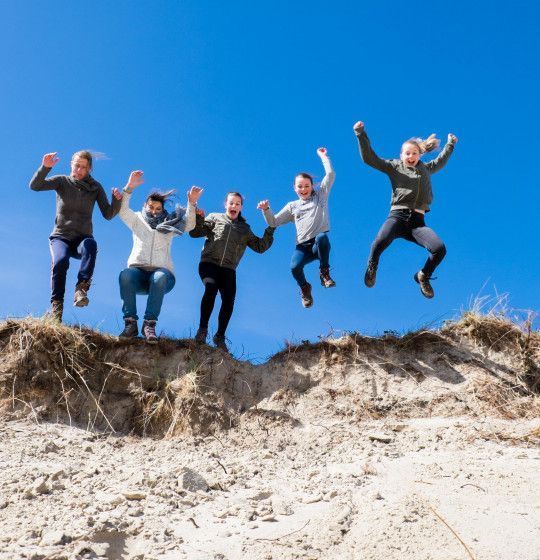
point(305, 294)
point(131, 330)
point(326, 279)
point(81, 293)
point(425, 285)
point(57, 310)
point(149, 331)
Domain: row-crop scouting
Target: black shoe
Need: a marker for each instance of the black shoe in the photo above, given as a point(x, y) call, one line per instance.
point(149, 331)
point(220, 342)
point(371, 274)
point(326, 279)
point(305, 294)
point(201, 335)
point(131, 330)
point(425, 285)
point(81, 294)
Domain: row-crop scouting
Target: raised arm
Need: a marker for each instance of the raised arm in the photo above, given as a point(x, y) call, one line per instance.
point(261, 244)
point(330, 174)
point(366, 151)
point(108, 209)
point(193, 196)
point(440, 161)
point(39, 181)
point(126, 213)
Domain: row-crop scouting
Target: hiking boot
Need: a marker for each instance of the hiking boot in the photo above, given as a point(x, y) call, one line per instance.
point(305, 293)
point(149, 331)
point(425, 286)
point(220, 342)
point(56, 311)
point(201, 335)
point(81, 293)
point(371, 274)
point(326, 280)
point(131, 330)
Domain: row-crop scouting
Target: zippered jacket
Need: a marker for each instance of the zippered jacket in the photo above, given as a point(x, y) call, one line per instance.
point(75, 201)
point(151, 248)
point(411, 186)
point(310, 216)
point(226, 239)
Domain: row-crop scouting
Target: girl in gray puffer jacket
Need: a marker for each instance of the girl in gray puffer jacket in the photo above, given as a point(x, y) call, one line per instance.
point(411, 197)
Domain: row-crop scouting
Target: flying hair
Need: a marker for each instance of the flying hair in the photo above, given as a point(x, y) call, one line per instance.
point(424, 146)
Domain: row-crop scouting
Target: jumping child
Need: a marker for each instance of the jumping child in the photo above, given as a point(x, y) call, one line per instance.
point(311, 218)
point(411, 197)
point(227, 236)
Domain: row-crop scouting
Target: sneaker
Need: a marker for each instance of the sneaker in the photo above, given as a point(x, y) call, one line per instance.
point(149, 331)
point(326, 280)
point(425, 286)
point(201, 335)
point(131, 330)
point(371, 274)
point(305, 293)
point(221, 342)
point(57, 310)
point(81, 293)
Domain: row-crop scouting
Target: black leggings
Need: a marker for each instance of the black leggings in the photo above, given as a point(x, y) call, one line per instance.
point(217, 279)
point(409, 225)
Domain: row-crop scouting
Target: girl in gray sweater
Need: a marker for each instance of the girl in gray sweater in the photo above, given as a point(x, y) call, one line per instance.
point(76, 196)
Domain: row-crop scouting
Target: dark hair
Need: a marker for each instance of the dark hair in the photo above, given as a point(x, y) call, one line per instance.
point(304, 175)
point(83, 154)
point(234, 193)
point(158, 196)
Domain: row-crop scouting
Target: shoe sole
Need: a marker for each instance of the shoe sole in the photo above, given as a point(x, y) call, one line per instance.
point(325, 285)
point(428, 296)
point(151, 340)
point(81, 302)
point(307, 305)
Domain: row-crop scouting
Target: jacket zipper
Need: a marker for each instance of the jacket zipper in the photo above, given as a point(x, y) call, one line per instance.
point(226, 243)
point(152, 248)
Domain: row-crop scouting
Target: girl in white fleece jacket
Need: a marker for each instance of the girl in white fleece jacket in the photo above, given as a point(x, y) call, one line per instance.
point(150, 268)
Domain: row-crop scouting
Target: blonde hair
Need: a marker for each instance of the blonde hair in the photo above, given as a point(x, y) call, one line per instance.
point(85, 154)
point(424, 146)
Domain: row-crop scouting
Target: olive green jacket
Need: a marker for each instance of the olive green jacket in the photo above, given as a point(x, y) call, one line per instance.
point(411, 186)
point(226, 239)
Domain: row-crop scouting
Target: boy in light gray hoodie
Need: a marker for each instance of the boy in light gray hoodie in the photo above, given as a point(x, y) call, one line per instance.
point(312, 220)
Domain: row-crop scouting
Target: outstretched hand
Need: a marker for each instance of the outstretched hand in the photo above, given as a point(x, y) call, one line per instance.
point(358, 127)
point(263, 205)
point(322, 152)
point(452, 139)
point(117, 194)
point(135, 179)
point(194, 194)
point(50, 160)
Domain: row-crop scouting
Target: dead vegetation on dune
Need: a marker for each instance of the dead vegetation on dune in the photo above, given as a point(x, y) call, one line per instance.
point(478, 365)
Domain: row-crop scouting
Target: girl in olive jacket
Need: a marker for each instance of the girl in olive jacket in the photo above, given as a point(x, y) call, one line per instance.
point(411, 197)
point(227, 236)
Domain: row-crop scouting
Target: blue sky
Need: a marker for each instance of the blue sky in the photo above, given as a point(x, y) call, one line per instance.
point(239, 95)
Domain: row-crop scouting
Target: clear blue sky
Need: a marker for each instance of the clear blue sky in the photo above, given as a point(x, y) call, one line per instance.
point(239, 95)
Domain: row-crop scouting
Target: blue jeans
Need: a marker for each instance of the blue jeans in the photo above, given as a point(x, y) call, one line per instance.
point(83, 248)
point(317, 248)
point(155, 283)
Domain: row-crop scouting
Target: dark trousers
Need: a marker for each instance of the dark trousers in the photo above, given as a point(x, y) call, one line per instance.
point(81, 248)
point(217, 279)
point(409, 225)
point(317, 248)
